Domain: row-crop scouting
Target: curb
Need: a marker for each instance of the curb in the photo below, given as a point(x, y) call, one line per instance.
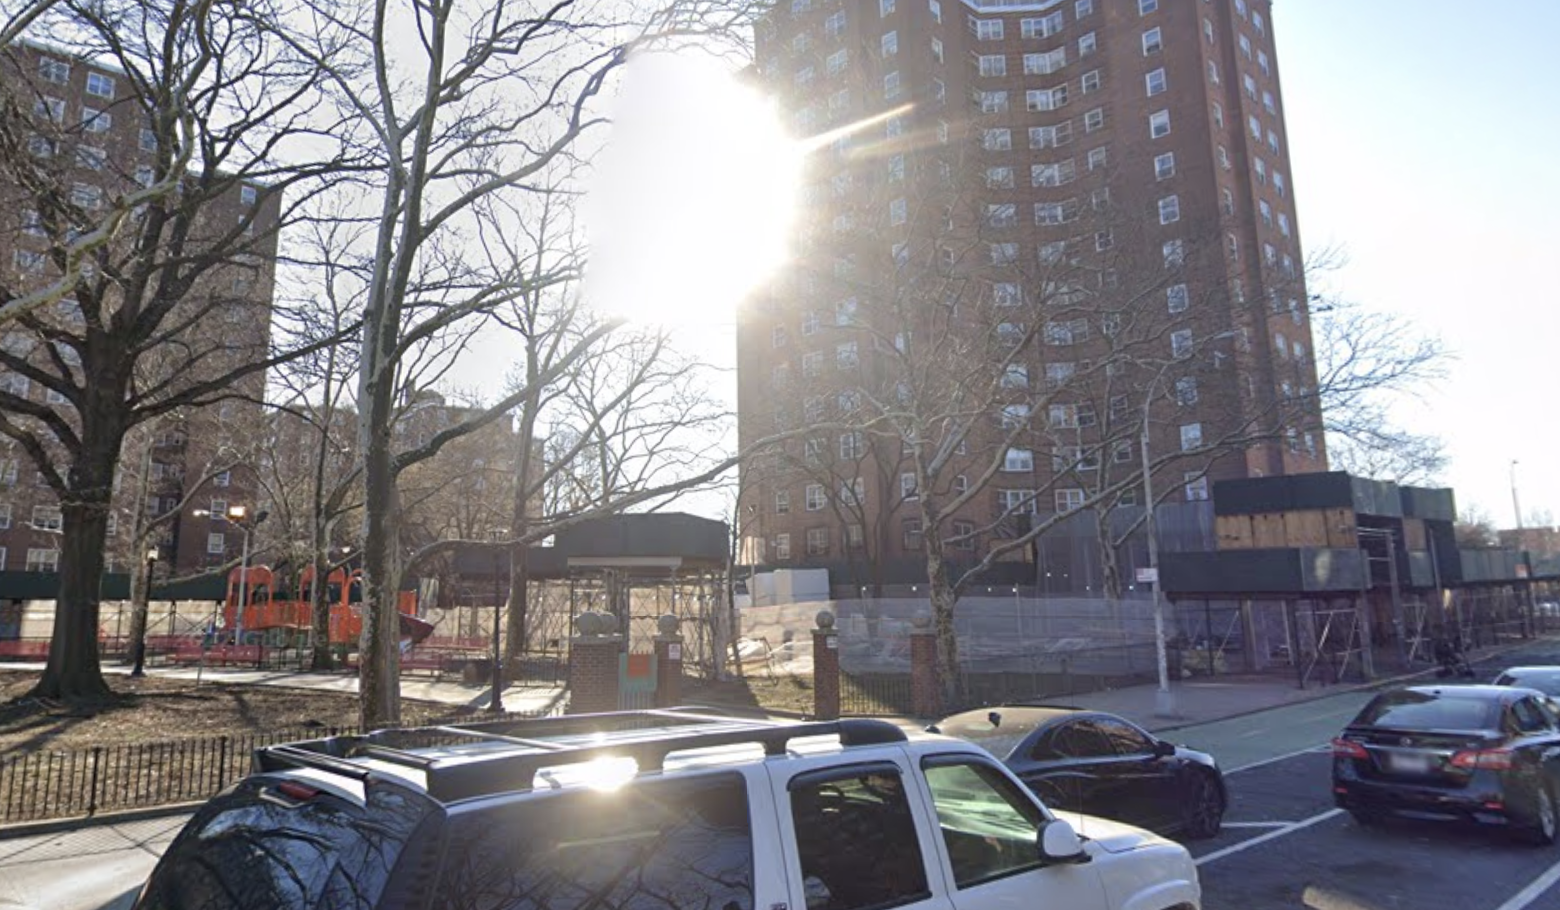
point(1382, 683)
point(77, 823)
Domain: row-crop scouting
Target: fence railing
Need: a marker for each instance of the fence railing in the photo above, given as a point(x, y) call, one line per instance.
point(70, 783)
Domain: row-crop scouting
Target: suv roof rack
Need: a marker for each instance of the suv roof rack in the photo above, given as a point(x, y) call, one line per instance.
point(645, 736)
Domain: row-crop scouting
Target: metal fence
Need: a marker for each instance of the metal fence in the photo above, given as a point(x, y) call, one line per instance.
point(82, 782)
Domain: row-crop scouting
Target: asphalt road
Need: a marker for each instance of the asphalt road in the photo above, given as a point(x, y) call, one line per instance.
point(1286, 846)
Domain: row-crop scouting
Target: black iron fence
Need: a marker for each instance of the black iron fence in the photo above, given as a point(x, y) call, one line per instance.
point(64, 784)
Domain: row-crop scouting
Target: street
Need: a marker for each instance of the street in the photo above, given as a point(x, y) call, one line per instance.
point(1286, 846)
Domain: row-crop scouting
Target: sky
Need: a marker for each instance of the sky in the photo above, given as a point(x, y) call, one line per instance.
point(1423, 136)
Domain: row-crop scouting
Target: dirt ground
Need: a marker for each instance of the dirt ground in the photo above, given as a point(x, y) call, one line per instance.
point(155, 708)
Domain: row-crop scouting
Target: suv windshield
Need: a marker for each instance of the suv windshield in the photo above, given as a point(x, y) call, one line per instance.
point(256, 850)
point(650, 846)
point(1409, 710)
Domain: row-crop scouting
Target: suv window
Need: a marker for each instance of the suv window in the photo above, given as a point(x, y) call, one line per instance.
point(856, 840)
point(258, 849)
point(1124, 738)
point(1080, 739)
point(1528, 717)
point(989, 826)
point(649, 846)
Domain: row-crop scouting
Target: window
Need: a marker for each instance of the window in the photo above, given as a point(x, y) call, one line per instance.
point(997, 140)
point(1278, 183)
point(1003, 253)
point(891, 86)
point(5, 516)
point(1153, 42)
point(40, 560)
point(1178, 298)
point(993, 65)
point(1181, 343)
point(1266, 211)
point(28, 262)
point(1170, 210)
point(864, 815)
point(1091, 81)
point(1016, 502)
point(890, 44)
point(1218, 115)
point(1250, 85)
point(1267, 102)
point(986, 29)
point(851, 446)
point(1083, 8)
point(47, 518)
point(907, 487)
point(1245, 47)
point(52, 70)
point(782, 546)
point(1098, 158)
point(898, 212)
point(817, 541)
point(1094, 120)
point(1191, 436)
point(1213, 72)
point(973, 796)
point(1283, 224)
point(99, 85)
point(782, 502)
point(96, 121)
point(1041, 27)
point(1068, 499)
point(222, 479)
point(1264, 64)
point(1155, 82)
point(885, 7)
point(1046, 99)
point(999, 178)
point(1050, 136)
point(1050, 213)
point(1159, 124)
point(85, 196)
point(1147, 6)
point(1019, 461)
point(1087, 45)
point(1186, 391)
point(815, 499)
point(1164, 166)
point(1174, 252)
point(777, 336)
point(1256, 127)
point(1016, 376)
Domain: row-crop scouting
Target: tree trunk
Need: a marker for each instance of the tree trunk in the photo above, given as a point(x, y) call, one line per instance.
point(140, 596)
point(320, 602)
point(74, 669)
point(1110, 560)
point(944, 599)
point(519, 602)
point(379, 654)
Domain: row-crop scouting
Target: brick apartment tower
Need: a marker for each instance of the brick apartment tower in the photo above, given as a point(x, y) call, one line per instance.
point(170, 465)
point(1137, 142)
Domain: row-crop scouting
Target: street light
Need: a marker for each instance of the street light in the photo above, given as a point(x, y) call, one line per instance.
point(238, 514)
point(138, 624)
point(496, 702)
point(1516, 504)
point(1164, 698)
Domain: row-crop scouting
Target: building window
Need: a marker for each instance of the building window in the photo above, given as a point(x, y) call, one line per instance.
point(782, 546)
point(96, 121)
point(898, 212)
point(845, 356)
point(1021, 461)
point(1098, 158)
point(986, 29)
point(1170, 210)
point(1016, 376)
point(1181, 343)
point(912, 537)
point(815, 498)
point(47, 518)
point(1153, 42)
point(1213, 72)
point(52, 70)
point(1164, 166)
point(1094, 120)
point(907, 487)
point(1147, 6)
point(992, 65)
point(782, 502)
point(999, 178)
point(1196, 487)
point(222, 479)
point(1087, 45)
point(997, 140)
point(40, 560)
point(890, 44)
point(1159, 124)
point(851, 446)
point(1186, 391)
point(1191, 436)
point(1016, 502)
point(1090, 81)
point(777, 336)
point(891, 86)
point(1178, 298)
point(99, 85)
point(1069, 499)
point(5, 516)
point(817, 541)
point(1155, 82)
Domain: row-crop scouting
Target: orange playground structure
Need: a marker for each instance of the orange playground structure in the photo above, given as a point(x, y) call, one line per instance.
point(253, 605)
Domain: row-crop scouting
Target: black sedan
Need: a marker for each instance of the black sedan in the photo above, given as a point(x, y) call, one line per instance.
point(1100, 764)
point(1544, 679)
point(1488, 754)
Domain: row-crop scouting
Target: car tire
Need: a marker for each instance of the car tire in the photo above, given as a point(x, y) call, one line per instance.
point(1205, 808)
point(1368, 818)
point(1543, 820)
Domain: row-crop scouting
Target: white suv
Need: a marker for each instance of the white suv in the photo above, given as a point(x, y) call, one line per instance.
point(654, 810)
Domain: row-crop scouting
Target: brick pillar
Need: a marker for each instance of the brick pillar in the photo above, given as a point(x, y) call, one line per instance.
point(925, 693)
point(668, 663)
point(826, 668)
point(593, 665)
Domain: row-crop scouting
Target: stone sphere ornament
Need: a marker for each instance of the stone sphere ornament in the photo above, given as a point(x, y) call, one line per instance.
point(825, 620)
point(667, 624)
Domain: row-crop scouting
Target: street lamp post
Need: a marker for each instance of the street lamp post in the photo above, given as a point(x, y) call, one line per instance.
point(496, 702)
point(1516, 504)
point(239, 516)
point(138, 623)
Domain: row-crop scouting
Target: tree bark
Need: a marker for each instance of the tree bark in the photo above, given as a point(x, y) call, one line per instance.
point(379, 655)
point(320, 602)
point(944, 599)
point(140, 596)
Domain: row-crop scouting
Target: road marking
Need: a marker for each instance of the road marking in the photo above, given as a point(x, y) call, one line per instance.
point(1282, 832)
point(1257, 824)
point(1270, 761)
point(1533, 891)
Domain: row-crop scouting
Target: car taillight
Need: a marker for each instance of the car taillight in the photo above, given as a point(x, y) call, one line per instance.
point(1488, 759)
point(1348, 748)
point(297, 791)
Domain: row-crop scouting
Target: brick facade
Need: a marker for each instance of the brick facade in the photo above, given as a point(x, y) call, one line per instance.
point(593, 673)
point(668, 670)
point(925, 694)
point(826, 674)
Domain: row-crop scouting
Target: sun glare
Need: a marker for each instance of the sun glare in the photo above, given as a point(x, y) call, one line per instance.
point(692, 205)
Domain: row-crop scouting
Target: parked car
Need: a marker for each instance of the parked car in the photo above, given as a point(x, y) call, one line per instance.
point(1100, 764)
point(649, 810)
point(1544, 679)
point(1487, 754)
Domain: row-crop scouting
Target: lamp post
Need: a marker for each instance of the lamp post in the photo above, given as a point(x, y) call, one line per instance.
point(1516, 504)
point(239, 516)
point(138, 622)
point(496, 702)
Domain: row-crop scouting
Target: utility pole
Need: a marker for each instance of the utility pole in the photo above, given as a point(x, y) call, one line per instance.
point(1516, 504)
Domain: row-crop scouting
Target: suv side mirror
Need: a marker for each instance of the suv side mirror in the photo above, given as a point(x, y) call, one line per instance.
point(1059, 844)
point(1163, 749)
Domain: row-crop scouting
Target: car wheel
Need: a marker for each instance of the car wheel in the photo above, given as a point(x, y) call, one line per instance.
point(1544, 821)
point(1205, 808)
point(1368, 818)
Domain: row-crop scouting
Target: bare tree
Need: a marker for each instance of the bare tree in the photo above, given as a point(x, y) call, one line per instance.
point(152, 324)
point(462, 120)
